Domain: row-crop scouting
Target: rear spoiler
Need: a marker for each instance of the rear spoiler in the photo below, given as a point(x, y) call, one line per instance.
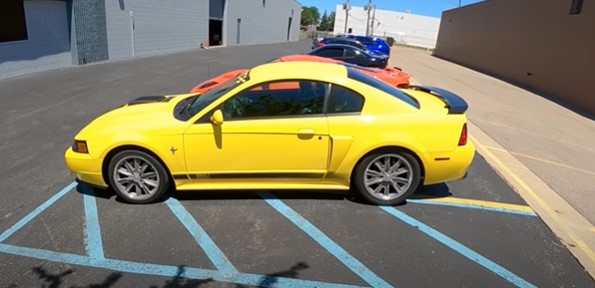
point(454, 103)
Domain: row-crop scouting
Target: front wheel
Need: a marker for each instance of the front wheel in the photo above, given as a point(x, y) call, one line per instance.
point(387, 178)
point(137, 177)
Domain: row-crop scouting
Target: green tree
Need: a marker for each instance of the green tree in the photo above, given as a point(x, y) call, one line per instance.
point(310, 15)
point(331, 21)
point(324, 24)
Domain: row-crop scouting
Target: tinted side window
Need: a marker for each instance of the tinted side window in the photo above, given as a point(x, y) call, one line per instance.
point(350, 53)
point(277, 99)
point(331, 53)
point(343, 100)
point(362, 56)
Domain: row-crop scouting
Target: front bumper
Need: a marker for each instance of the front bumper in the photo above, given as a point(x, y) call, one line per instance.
point(86, 168)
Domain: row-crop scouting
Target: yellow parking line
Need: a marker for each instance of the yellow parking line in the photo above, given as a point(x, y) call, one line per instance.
point(481, 203)
point(541, 160)
point(551, 212)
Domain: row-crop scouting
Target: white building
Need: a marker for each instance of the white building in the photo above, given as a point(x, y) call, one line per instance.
point(404, 27)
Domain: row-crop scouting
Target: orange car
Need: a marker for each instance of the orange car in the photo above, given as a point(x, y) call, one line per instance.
point(393, 76)
point(209, 84)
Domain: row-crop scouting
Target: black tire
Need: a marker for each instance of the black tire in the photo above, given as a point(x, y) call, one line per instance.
point(379, 185)
point(147, 179)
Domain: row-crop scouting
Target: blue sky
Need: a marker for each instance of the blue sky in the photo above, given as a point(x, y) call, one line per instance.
point(432, 8)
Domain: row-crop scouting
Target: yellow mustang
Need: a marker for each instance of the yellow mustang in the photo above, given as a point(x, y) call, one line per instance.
point(288, 125)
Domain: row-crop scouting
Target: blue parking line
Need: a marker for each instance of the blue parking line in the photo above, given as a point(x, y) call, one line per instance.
point(472, 206)
point(327, 243)
point(459, 248)
point(201, 237)
point(166, 270)
point(96, 258)
point(93, 241)
point(36, 212)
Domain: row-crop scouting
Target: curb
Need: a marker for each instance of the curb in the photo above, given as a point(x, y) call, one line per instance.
point(574, 231)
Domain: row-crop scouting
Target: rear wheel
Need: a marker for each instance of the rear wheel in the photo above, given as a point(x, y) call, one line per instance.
point(387, 178)
point(137, 177)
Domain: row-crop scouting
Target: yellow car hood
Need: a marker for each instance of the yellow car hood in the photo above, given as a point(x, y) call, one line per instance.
point(140, 115)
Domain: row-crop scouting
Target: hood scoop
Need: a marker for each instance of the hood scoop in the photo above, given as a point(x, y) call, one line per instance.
point(149, 99)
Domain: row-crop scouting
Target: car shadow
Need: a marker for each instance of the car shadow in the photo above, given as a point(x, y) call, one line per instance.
point(254, 194)
point(440, 190)
point(432, 191)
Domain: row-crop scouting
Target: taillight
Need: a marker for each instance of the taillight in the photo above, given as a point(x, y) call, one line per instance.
point(463, 137)
point(319, 44)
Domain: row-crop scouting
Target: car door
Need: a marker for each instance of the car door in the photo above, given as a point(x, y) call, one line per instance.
point(272, 130)
point(353, 56)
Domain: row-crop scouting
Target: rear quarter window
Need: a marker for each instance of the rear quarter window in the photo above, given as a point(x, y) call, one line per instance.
point(369, 80)
point(343, 100)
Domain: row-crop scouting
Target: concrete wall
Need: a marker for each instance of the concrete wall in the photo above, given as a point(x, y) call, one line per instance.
point(536, 43)
point(405, 28)
point(261, 23)
point(48, 43)
point(159, 26)
point(91, 33)
point(62, 33)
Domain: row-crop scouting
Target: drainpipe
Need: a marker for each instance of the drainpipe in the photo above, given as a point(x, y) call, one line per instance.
point(132, 32)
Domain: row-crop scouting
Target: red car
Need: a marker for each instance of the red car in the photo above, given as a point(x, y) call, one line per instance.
point(393, 76)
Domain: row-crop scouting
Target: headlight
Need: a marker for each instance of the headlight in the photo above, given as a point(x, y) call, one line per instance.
point(80, 146)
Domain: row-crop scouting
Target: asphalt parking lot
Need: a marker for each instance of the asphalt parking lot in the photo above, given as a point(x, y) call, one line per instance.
point(476, 232)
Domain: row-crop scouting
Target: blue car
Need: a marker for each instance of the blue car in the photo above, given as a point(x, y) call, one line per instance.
point(372, 43)
point(351, 55)
point(346, 41)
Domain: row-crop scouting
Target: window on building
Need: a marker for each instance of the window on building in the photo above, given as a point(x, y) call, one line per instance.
point(264, 3)
point(13, 26)
point(575, 7)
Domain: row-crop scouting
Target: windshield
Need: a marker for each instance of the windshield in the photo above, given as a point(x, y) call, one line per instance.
point(365, 41)
point(210, 96)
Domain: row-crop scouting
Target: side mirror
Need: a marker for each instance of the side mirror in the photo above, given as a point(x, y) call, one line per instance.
point(217, 117)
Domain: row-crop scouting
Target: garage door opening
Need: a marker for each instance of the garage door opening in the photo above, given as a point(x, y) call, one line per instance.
point(215, 32)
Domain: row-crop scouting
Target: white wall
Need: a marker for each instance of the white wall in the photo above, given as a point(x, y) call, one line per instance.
point(261, 24)
point(405, 28)
point(159, 26)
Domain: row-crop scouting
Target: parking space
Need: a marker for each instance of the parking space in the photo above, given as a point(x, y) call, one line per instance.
point(476, 232)
point(441, 237)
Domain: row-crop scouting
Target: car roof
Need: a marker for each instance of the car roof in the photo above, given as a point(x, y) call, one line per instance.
point(343, 39)
point(370, 38)
point(364, 52)
point(306, 57)
point(339, 46)
point(297, 70)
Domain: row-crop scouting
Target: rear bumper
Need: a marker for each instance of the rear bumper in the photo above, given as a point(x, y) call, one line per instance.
point(440, 170)
point(86, 168)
